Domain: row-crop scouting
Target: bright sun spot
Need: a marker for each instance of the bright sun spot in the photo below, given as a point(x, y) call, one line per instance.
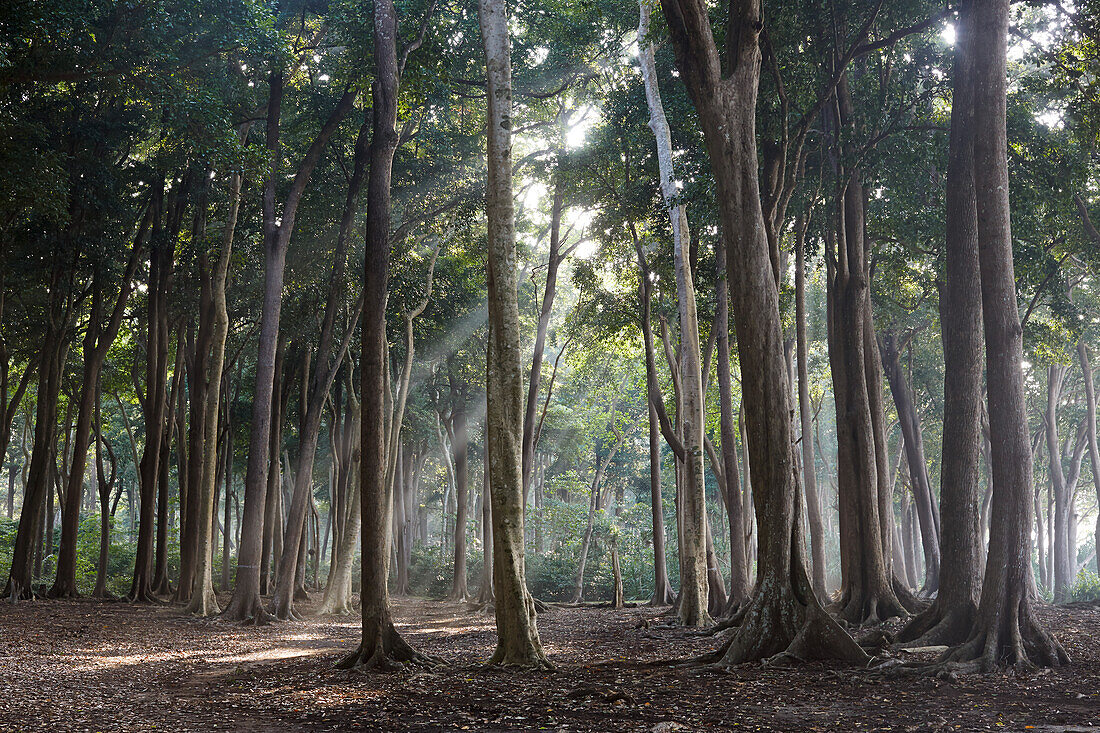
point(948, 34)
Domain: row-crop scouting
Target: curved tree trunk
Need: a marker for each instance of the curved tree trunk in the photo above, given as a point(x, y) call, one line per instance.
point(203, 601)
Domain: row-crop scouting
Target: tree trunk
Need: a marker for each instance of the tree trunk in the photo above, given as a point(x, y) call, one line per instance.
point(867, 595)
point(914, 456)
point(272, 540)
point(1006, 630)
point(662, 591)
point(154, 405)
point(337, 597)
point(97, 340)
point(809, 471)
point(460, 446)
point(784, 614)
point(245, 603)
point(382, 646)
point(552, 264)
point(203, 601)
point(949, 619)
point(1094, 454)
point(518, 641)
point(694, 593)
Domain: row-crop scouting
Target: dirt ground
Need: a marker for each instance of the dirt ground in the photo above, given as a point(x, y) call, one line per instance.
point(91, 666)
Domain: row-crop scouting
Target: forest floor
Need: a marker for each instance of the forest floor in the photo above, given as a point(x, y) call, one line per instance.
point(92, 666)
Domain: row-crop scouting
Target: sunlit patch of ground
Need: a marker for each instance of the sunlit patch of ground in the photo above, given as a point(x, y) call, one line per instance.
point(84, 665)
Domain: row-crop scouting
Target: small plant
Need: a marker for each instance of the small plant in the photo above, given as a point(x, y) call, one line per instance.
point(1086, 588)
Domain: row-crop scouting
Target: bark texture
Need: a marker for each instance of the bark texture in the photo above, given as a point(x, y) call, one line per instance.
point(518, 641)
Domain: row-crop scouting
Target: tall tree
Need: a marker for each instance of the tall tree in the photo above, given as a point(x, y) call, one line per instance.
point(949, 618)
point(1006, 630)
point(694, 591)
point(784, 614)
point(518, 641)
point(382, 647)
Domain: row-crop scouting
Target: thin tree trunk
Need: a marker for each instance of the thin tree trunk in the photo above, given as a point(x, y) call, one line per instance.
point(809, 472)
point(694, 594)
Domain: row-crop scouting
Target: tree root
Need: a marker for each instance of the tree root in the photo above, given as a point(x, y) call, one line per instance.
point(535, 660)
point(1023, 646)
point(939, 624)
point(778, 626)
point(909, 600)
point(387, 652)
point(203, 604)
point(250, 611)
point(865, 610)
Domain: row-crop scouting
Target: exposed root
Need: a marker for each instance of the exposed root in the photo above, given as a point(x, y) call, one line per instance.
point(203, 604)
point(939, 624)
point(65, 591)
point(387, 652)
point(535, 659)
point(777, 624)
point(540, 606)
point(1023, 646)
point(144, 597)
point(247, 609)
point(862, 610)
point(908, 599)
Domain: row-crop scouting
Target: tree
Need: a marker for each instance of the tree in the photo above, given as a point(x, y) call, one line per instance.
point(382, 647)
point(692, 516)
point(784, 614)
point(518, 641)
point(950, 617)
point(1006, 630)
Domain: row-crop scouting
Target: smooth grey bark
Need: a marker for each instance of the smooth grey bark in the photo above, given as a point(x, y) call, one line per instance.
point(694, 589)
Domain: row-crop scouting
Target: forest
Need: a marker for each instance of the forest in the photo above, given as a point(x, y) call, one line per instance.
point(581, 365)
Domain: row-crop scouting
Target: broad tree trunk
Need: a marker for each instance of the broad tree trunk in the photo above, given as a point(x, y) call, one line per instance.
point(1006, 630)
point(949, 619)
point(867, 594)
point(518, 641)
point(784, 613)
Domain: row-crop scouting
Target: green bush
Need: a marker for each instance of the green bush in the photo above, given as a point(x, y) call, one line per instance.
point(1087, 587)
